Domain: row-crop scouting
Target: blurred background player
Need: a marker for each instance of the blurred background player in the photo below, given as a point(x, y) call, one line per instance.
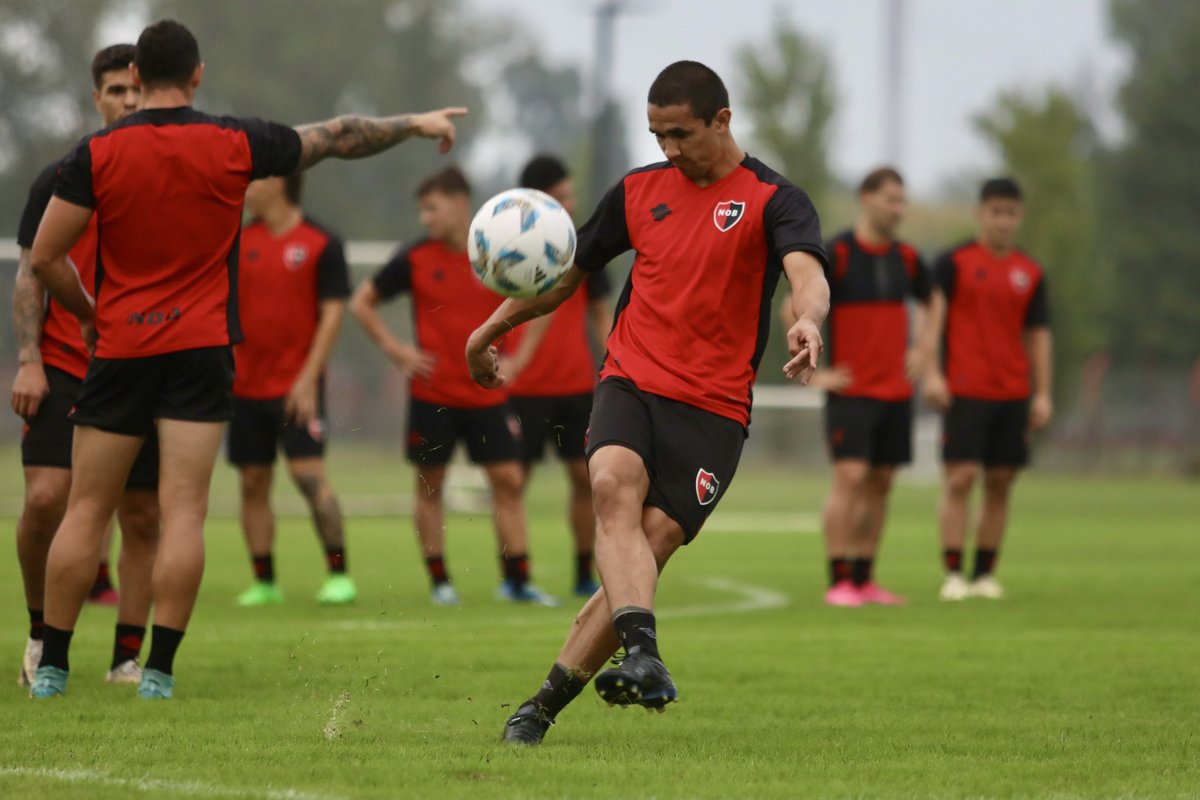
point(712, 229)
point(164, 318)
point(445, 405)
point(552, 374)
point(53, 363)
point(996, 387)
point(292, 290)
point(875, 360)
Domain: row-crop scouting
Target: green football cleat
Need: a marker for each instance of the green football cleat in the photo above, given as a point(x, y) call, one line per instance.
point(49, 682)
point(156, 685)
point(260, 594)
point(338, 590)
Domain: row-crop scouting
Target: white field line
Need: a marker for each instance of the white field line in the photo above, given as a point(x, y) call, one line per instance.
point(748, 599)
point(193, 788)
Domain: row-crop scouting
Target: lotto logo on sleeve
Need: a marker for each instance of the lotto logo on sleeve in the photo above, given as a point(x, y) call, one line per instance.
point(707, 486)
point(727, 214)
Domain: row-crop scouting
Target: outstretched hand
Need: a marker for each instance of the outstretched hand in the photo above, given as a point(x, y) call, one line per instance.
point(439, 125)
point(805, 344)
point(484, 365)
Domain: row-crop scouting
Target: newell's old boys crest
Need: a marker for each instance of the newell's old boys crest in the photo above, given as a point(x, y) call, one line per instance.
point(294, 256)
point(707, 486)
point(727, 214)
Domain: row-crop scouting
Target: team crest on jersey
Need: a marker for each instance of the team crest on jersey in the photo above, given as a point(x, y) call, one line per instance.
point(1020, 280)
point(707, 486)
point(728, 213)
point(294, 256)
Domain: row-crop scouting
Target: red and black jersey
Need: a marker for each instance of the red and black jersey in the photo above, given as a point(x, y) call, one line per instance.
point(868, 319)
point(281, 283)
point(448, 303)
point(990, 301)
point(62, 343)
point(563, 364)
point(167, 187)
point(693, 318)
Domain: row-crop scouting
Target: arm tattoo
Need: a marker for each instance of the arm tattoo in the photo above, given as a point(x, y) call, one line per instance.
point(29, 310)
point(351, 137)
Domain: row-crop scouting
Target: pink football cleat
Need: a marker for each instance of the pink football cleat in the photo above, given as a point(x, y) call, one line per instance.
point(844, 594)
point(875, 594)
point(105, 597)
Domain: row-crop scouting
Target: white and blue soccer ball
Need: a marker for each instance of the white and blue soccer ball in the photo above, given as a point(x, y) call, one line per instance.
point(521, 243)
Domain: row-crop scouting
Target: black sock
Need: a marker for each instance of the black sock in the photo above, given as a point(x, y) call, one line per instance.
point(952, 560)
point(163, 643)
point(985, 562)
point(56, 643)
point(583, 566)
point(516, 570)
point(264, 568)
point(127, 644)
point(437, 570)
point(635, 628)
point(862, 569)
point(840, 569)
point(36, 624)
point(103, 579)
point(561, 686)
point(335, 557)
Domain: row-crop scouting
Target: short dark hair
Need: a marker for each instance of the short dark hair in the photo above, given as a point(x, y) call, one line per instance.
point(877, 177)
point(293, 187)
point(447, 181)
point(692, 84)
point(543, 172)
point(113, 57)
point(1000, 188)
point(167, 54)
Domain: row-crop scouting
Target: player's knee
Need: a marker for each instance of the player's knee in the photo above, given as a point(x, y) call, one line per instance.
point(140, 523)
point(608, 489)
point(312, 486)
point(508, 482)
point(880, 480)
point(961, 478)
point(256, 482)
point(43, 506)
point(999, 483)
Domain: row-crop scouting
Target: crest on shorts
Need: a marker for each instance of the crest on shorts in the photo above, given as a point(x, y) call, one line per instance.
point(707, 486)
point(294, 256)
point(316, 429)
point(727, 214)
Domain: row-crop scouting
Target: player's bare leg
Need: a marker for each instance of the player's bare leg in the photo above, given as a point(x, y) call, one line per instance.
point(101, 463)
point(583, 525)
point(429, 518)
point(258, 526)
point(993, 520)
point(591, 641)
point(958, 479)
point(189, 451)
point(309, 476)
point(138, 515)
point(842, 507)
point(507, 482)
point(871, 517)
point(46, 491)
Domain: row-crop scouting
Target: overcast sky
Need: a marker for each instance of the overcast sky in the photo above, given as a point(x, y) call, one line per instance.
point(959, 54)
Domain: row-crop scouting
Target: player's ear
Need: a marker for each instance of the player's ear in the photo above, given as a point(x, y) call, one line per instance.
point(197, 76)
point(136, 75)
point(721, 120)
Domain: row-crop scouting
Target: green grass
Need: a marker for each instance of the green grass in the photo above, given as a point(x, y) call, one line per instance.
point(1085, 683)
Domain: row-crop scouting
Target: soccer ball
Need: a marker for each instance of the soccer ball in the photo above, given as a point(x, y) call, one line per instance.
point(521, 243)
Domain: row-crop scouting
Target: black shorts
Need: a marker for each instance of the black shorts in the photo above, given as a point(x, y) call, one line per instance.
point(690, 454)
point(260, 427)
point(876, 431)
point(126, 395)
point(489, 433)
point(992, 432)
point(48, 437)
point(565, 418)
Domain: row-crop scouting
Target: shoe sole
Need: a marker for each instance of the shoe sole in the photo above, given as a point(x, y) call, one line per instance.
point(617, 690)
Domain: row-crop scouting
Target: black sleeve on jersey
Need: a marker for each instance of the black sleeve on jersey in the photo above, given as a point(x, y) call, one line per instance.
point(274, 148)
point(333, 276)
point(598, 286)
point(394, 277)
point(944, 274)
point(922, 281)
point(1037, 313)
point(792, 224)
point(74, 182)
point(35, 206)
point(605, 236)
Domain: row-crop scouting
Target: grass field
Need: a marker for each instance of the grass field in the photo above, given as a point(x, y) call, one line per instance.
point(1085, 683)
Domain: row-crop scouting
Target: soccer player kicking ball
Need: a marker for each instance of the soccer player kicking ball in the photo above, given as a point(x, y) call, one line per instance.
point(552, 374)
point(292, 290)
point(997, 382)
point(868, 408)
point(166, 185)
point(53, 361)
point(445, 405)
point(712, 228)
